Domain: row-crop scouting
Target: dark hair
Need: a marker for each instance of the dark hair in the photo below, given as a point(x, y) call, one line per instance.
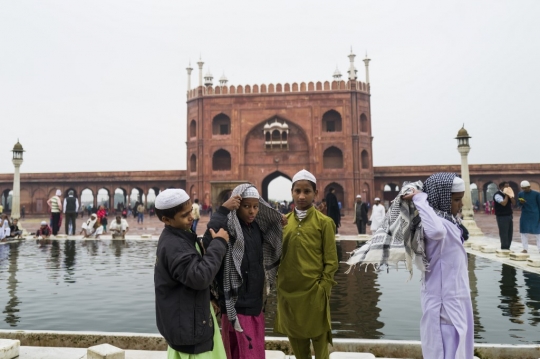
point(313, 184)
point(170, 212)
point(196, 200)
point(502, 184)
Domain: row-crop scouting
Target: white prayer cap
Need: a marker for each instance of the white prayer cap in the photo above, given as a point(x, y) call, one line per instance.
point(58, 192)
point(43, 223)
point(377, 199)
point(250, 192)
point(358, 196)
point(304, 175)
point(171, 198)
point(525, 184)
point(458, 185)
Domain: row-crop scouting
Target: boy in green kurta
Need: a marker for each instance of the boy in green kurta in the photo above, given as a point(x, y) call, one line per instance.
point(306, 274)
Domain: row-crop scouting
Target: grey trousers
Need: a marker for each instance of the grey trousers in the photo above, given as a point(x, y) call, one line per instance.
point(506, 230)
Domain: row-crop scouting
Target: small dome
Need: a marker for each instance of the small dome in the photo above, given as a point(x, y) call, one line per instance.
point(463, 132)
point(223, 78)
point(267, 126)
point(285, 125)
point(337, 73)
point(18, 147)
point(208, 74)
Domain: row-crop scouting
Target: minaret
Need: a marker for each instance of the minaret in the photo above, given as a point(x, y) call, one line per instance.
point(16, 199)
point(366, 61)
point(208, 79)
point(352, 69)
point(337, 75)
point(223, 81)
point(200, 63)
point(189, 69)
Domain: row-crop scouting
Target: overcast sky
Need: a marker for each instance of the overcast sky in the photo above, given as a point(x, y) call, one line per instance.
point(100, 85)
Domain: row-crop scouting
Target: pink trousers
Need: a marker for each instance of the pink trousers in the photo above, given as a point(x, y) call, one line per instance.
point(248, 344)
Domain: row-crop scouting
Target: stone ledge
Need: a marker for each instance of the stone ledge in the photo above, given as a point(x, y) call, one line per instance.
point(105, 351)
point(504, 253)
point(519, 256)
point(487, 249)
point(533, 262)
point(9, 349)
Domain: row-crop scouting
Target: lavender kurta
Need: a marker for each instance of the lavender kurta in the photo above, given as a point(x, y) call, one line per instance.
point(446, 299)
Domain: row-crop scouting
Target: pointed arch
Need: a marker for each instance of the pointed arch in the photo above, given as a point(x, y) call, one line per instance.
point(332, 158)
point(221, 160)
point(331, 121)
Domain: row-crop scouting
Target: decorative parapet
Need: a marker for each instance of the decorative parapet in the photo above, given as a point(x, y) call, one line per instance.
point(325, 86)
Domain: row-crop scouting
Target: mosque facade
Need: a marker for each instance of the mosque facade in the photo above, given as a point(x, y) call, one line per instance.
point(256, 133)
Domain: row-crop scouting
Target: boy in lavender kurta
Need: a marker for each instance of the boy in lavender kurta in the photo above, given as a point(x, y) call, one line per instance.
point(447, 325)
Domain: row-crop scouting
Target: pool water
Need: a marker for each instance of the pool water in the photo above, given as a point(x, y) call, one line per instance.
point(107, 286)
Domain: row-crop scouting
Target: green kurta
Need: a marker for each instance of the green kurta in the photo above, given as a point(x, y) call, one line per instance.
point(306, 276)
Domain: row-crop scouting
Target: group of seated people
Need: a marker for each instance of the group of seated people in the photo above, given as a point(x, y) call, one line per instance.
point(9, 229)
point(91, 228)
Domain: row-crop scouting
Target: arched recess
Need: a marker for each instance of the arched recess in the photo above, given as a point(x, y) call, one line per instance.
point(193, 129)
point(193, 192)
point(7, 198)
point(271, 177)
point(103, 198)
point(193, 163)
point(474, 196)
point(26, 200)
point(257, 156)
point(332, 158)
point(221, 160)
point(363, 123)
point(151, 198)
point(489, 190)
point(535, 186)
point(221, 125)
point(136, 197)
point(339, 192)
point(87, 198)
point(366, 193)
point(39, 201)
point(331, 121)
point(119, 198)
point(365, 159)
point(390, 192)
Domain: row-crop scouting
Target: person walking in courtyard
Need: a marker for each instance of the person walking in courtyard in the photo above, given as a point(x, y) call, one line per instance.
point(71, 208)
point(255, 231)
point(360, 215)
point(196, 214)
point(140, 213)
point(332, 208)
point(447, 325)
point(377, 215)
point(529, 222)
point(23, 212)
point(55, 206)
point(102, 217)
point(503, 214)
point(183, 273)
point(306, 273)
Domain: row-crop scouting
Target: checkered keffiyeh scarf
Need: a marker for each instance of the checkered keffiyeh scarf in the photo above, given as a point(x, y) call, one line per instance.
point(400, 238)
point(269, 221)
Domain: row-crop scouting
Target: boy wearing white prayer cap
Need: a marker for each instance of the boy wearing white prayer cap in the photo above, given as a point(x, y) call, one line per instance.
point(252, 259)
point(183, 273)
point(306, 273)
point(529, 222)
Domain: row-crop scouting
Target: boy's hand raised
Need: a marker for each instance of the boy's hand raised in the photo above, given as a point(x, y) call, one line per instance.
point(221, 233)
point(232, 203)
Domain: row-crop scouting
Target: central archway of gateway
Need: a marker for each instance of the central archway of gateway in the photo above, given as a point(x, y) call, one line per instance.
point(266, 158)
point(266, 183)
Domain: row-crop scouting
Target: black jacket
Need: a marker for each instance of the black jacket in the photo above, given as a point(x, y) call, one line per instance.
point(182, 279)
point(250, 294)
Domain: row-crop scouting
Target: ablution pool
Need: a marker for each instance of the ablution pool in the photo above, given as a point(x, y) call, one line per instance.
point(108, 286)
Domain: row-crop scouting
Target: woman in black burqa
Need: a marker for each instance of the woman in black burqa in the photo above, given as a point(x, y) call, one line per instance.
point(333, 207)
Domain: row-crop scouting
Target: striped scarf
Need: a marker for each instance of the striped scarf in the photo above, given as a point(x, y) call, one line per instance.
point(269, 221)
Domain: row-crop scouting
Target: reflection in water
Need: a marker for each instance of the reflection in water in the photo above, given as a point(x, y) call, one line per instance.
point(532, 282)
point(510, 304)
point(11, 310)
point(112, 284)
point(69, 261)
point(478, 328)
